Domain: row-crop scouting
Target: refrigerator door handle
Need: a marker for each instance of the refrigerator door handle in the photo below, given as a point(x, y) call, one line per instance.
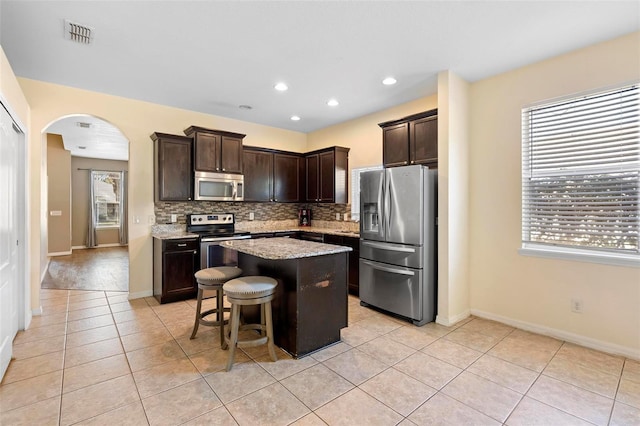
point(380, 213)
point(389, 248)
point(387, 205)
point(387, 269)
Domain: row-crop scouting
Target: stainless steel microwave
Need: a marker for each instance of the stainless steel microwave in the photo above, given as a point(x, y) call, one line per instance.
point(218, 187)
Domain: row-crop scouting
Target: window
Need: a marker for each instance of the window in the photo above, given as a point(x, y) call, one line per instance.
point(580, 175)
point(355, 190)
point(107, 187)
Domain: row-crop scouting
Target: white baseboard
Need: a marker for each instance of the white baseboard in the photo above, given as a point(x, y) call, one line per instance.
point(578, 339)
point(99, 246)
point(140, 294)
point(59, 253)
point(37, 311)
point(448, 322)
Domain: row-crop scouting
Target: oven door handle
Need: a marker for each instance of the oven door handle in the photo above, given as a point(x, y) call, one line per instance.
point(220, 239)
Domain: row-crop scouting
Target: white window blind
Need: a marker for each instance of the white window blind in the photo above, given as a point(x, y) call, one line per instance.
point(355, 189)
point(581, 172)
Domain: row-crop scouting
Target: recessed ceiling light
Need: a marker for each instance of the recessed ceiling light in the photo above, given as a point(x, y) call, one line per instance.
point(295, 118)
point(281, 87)
point(389, 81)
point(332, 102)
point(245, 107)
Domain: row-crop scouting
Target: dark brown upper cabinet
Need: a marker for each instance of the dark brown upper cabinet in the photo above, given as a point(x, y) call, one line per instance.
point(216, 151)
point(411, 140)
point(173, 167)
point(271, 175)
point(327, 173)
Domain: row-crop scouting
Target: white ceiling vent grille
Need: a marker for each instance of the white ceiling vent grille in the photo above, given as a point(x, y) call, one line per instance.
point(77, 32)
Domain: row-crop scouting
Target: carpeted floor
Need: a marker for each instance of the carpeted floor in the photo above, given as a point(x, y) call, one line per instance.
point(105, 269)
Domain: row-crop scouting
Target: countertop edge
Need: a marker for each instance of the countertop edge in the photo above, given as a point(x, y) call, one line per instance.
point(303, 249)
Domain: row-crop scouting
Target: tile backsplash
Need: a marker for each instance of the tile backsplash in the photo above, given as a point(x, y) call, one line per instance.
point(261, 211)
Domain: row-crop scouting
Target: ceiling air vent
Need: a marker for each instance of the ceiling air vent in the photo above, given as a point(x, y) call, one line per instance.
point(77, 32)
point(83, 124)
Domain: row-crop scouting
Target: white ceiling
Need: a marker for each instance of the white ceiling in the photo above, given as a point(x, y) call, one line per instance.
point(99, 140)
point(212, 56)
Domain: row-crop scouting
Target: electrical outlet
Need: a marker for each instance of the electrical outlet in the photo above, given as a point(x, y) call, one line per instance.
point(345, 216)
point(136, 219)
point(174, 218)
point(576, 305)
point(251, 216)
point(151, 219)
point(337, 216)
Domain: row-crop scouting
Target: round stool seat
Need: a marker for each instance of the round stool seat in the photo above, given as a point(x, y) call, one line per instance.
point(218, 275)
point(251, 287)
point(246, 291)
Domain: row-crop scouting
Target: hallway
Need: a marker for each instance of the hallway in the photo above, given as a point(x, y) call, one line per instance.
point(103, 269)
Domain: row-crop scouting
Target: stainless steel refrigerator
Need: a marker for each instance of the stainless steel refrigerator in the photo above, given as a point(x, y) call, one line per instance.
point(398, 241)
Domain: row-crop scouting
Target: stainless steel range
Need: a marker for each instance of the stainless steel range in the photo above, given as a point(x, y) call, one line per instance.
point(214, 228)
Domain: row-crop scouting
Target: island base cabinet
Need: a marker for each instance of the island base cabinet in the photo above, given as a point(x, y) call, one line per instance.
point(310, 306)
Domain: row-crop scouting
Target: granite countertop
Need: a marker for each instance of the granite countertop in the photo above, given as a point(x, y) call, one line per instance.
point(283, 248)
point(171, 232)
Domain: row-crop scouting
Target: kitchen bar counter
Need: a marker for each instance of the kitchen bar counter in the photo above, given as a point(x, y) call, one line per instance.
point(310, 306)
point(283, 248)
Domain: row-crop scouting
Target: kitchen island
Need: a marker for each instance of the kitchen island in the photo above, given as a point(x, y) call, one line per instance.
point(310, 306)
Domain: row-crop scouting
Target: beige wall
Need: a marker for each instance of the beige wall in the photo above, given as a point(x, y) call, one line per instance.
point(530, 291)
point(136, 120)
point(58, 196)
point(80, 200)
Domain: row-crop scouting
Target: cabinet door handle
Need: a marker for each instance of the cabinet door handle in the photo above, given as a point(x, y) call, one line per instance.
point(182, 245)
point(412, 161)
point(223, 169)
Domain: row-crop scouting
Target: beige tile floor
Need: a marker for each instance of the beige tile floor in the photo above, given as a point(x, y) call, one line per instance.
point(96, 358)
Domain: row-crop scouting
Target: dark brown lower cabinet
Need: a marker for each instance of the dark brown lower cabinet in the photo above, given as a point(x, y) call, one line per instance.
point(354, 259)
point(175, 263)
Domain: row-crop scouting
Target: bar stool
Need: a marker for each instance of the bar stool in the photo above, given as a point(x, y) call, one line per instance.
point(244, 291)
point(213, 279)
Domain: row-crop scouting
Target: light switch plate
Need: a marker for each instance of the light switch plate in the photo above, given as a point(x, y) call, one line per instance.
point(174, 218)
point(251, 216)
point(337, 216)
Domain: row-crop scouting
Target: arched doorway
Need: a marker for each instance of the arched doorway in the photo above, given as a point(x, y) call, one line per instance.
point(86, 197)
